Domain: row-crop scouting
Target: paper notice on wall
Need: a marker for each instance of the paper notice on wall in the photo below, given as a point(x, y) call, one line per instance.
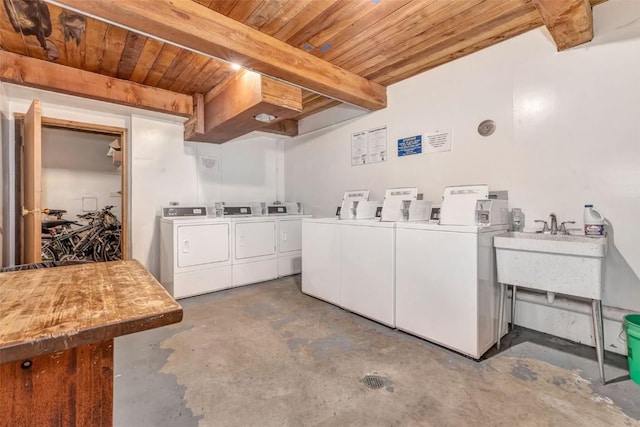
point(437, 141)
point(369, 146)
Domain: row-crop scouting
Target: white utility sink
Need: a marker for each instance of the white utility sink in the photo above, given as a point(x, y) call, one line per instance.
point(566, 264)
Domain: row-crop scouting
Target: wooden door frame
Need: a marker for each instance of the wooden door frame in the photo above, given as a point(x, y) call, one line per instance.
point(124, 147)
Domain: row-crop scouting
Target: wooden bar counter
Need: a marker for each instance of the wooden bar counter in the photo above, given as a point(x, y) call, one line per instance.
point(57, 327)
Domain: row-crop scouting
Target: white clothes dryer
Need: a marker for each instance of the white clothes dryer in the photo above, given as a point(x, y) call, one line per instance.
point(195, 254)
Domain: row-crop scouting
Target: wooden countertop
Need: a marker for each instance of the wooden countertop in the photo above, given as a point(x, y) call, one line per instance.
point(54, 309)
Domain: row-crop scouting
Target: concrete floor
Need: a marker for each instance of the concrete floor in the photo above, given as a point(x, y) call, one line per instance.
point(267, 355)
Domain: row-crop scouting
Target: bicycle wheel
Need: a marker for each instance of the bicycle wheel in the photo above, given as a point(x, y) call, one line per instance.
point(48, 254)
point(111, 250)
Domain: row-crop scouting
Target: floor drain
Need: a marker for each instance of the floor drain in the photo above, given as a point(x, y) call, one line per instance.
point(374, 381)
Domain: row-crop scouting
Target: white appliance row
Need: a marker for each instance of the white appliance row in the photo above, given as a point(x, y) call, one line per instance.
point(351, 263)
point(200, 254)
point(434, 281)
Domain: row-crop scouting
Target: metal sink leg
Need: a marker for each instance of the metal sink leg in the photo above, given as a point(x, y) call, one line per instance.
point(596, 309)
point(503, 288)
point(513, 307)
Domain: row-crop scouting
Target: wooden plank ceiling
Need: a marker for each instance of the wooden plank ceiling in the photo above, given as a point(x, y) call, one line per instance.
point(385, 41)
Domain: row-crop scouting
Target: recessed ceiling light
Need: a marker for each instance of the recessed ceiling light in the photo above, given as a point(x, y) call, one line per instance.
point(264, 117)
point(235, 66)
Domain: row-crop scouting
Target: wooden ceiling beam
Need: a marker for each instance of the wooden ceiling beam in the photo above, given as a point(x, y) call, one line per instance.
point(230, 112)
point(196, 27)
point(570, 22)
point(33, 72)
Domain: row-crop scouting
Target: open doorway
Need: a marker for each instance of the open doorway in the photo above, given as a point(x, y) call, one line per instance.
point(81, 195)
point(72, 191)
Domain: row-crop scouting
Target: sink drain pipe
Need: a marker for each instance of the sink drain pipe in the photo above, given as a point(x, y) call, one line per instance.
point(570, 304)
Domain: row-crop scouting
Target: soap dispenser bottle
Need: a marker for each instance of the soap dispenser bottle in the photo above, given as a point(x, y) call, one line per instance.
point(517, 219)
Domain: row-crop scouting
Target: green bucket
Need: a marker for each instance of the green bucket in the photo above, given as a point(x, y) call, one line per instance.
point(632, 328)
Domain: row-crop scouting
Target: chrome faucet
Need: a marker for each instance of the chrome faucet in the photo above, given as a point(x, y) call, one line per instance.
point(554, 223)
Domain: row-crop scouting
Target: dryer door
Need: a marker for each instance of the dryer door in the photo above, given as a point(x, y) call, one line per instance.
point(255, 239)
point(290, 235)
point(202, 244)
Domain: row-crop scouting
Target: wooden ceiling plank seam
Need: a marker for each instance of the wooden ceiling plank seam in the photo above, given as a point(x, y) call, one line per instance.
point(243, 9)
point(469, 31)
point(442, 29)
point(180, 63)
point(115, 39)
point(26, 71)
point(95, 34)
point(431, 64)
point(406, 33)
point(284, 15)
point(502, 23)
point(264, 13)
point(205, 80)
point(380, 15)
point(401, 28)
point(569, 22)
point(133, 47)
point(147, 57)
point(222, 6)
point(336, 12)
point(340, 22)
point(394, 23)
point(165, 58)
point(198, 28)
point(195, 67)
point(302, 18)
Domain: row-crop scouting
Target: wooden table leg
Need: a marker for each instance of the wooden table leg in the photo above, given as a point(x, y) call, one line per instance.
point(68, 388)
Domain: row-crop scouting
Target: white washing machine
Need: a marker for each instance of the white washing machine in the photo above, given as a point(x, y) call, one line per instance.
point(195, 252)
point(321, 258)
point(254, 249)
point(367, 269)
point(446, 284)
point(290, 244)
point(351, 263)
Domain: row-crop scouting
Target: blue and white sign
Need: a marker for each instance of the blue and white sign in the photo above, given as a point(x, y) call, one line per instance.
point(410, 145)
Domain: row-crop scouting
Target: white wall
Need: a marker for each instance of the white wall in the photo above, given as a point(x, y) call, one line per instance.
point(248, 169)
point(163, 170)
point(568, 133)
point(75, 166)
